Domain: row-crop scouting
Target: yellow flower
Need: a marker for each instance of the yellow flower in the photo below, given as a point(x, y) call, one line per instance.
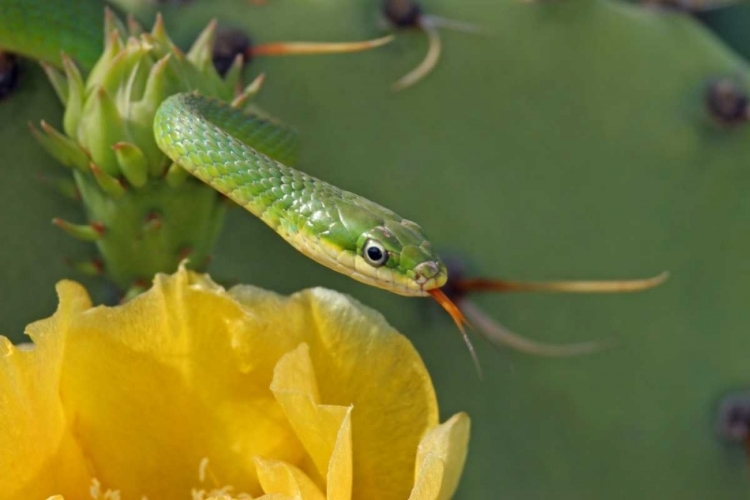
point(190, 391)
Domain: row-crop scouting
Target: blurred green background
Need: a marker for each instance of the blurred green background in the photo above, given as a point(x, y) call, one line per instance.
point(571, 140)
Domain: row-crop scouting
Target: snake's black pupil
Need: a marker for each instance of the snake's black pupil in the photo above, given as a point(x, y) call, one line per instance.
point(375, 254)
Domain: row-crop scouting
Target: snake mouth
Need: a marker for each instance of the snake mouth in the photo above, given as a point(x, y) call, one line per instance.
point(430, 275)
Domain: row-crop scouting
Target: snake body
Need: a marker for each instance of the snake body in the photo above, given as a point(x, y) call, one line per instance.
point(334, 227)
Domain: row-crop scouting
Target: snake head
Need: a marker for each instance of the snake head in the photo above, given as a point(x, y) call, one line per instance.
point(397, 254)
point(368, 243)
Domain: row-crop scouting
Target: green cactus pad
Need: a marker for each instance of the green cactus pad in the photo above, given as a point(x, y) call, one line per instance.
point(571, 141)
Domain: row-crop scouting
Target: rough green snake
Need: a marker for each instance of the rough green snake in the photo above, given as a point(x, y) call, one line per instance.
point(336, 228)
point(220, 146)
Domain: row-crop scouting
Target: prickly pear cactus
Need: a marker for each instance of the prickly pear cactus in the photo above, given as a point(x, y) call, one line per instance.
point(572, 139)
point(145, 214)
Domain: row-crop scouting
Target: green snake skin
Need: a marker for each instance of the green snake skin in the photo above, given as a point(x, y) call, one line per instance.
point(219, 145)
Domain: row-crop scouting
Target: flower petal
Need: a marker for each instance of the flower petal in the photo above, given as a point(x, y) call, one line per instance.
point(359, 361)
point(165, 372)
point(324, 430)
point(39, 456)
point(188, 387)
point(340, 471)
point(440, 459)
point(429, 479)
point(279, 477)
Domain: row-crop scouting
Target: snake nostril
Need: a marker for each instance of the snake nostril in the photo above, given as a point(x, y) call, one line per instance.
point(427, 269)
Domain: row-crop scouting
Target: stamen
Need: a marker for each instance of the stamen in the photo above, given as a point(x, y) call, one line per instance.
point(202, 470)
point(95, 488)
point(460, 320)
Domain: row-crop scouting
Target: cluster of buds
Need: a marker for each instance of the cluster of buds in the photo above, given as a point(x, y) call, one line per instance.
point(145, 214)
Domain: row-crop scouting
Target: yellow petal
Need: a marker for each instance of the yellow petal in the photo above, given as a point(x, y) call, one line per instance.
point(340, 471)
point(429, 480)
point(317, 426)
point(359, 361)
point(38, 455)
point(226, 497)
point(440, 459)
point(160, 379)
point(188, 388)
point(285, 479)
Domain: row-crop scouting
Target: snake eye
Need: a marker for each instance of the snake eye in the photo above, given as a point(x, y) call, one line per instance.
point(375, 253)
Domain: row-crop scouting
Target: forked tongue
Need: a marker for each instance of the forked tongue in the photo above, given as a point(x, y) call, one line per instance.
point(460, 320)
